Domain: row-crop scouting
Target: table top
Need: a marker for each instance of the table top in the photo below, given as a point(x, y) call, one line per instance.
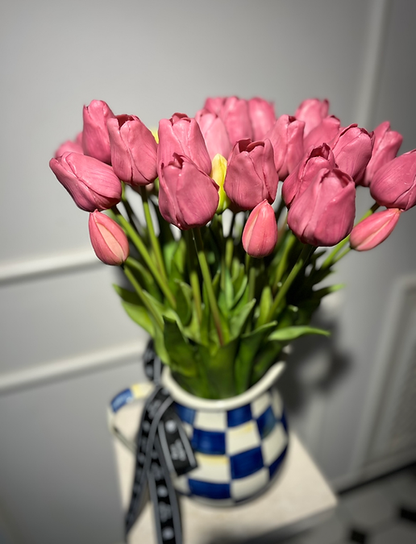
point(299, 498)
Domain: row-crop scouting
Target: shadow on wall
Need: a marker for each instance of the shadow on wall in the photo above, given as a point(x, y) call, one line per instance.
point(316, 366)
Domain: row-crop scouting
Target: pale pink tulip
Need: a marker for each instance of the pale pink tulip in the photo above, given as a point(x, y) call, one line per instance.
point(260, 232)
point(108, 239)
point(373, 230)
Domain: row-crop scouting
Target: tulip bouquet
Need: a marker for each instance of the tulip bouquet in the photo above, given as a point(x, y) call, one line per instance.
point(242, 217)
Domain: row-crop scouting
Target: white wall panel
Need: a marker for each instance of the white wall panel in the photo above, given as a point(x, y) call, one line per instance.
point(60, 316)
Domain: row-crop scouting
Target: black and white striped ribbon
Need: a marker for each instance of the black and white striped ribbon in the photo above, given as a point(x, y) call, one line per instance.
point(162, 449)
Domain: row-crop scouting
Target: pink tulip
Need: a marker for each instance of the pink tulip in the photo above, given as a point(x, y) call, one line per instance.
point(95, 138)
point(188, 197)
point(352, 149)
point(133, 150)
point(215, 105)
point(108, 239)
point(260, 231)
point(325, 132)
point(394, 184)
point(236, 117)
point(373, 230)
point(251, 174)
point(70, 146)
point(182, 136)
point(324, 213)
point(90, 182)
point(262, 117)
point(296, 182)
point(312, 111)
point(214, 132)
point(386, 146)
point(286, 137)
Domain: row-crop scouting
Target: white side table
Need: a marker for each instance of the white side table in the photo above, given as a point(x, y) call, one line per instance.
point(299, 499)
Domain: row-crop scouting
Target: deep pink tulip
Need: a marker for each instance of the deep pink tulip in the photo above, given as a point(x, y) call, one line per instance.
point(262, 117)
point(352, 149)
point(188, 197)
point(394, 184)
point(251, 174)
point(286, 137)
point(108, 239)
point(325, 132)
point(214, 132)
point(324, 213)
point(386, 146)
point(70, 146)
point(260, 232)
point(95, 138)
point(373, 230)
point(312, 111)
point(133, 150)
point(181, 135)
point(90, 182)
point(296, 182)
point(236, 117)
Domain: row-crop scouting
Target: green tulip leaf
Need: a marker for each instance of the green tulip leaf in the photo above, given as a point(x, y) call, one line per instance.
point(266, 301)
point(181, 352)
point(139, 315)
point(239, 319)
point(291, 333)
point(184, 302)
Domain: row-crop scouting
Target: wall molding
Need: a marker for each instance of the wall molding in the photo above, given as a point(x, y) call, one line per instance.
point(372, 62)
point(73, 367)
point(14, 271)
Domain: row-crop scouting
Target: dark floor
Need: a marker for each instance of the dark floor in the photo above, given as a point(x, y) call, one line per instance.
point(380, 512)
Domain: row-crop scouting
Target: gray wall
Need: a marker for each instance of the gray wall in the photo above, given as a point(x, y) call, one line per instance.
point(66, 345)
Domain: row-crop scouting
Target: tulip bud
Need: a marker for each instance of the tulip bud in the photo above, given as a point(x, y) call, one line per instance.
point(306, 171)
point(286, 137)
point(133, 150)
point(70, 146)
point(181, 135)
point(394, 184)
point(352, 149)
point(91, 183)
point(324, 213)
point(188, 197)
point(214, 132)
point(312, 111)
point(260, 232)
point(108, 239)
point(218, 172)
point(323, 133)
point(262, 117)
point(235, 114)
point(386, 145)
point(251, 174)
point(95, 138)
point(373, 230)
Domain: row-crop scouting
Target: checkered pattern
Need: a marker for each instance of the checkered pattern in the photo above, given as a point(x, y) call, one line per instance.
point(238, 451)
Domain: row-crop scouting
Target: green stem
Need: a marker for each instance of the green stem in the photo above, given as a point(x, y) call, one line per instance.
point(141, 248)
point(193, 275)
point(229, 250)
point(281, 267)
point(153, 238)
point(199, 244)
point(302, 259)
point(129, 274)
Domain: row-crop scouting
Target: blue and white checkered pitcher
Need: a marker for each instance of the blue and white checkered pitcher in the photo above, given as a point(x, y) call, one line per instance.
point(239, 443)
